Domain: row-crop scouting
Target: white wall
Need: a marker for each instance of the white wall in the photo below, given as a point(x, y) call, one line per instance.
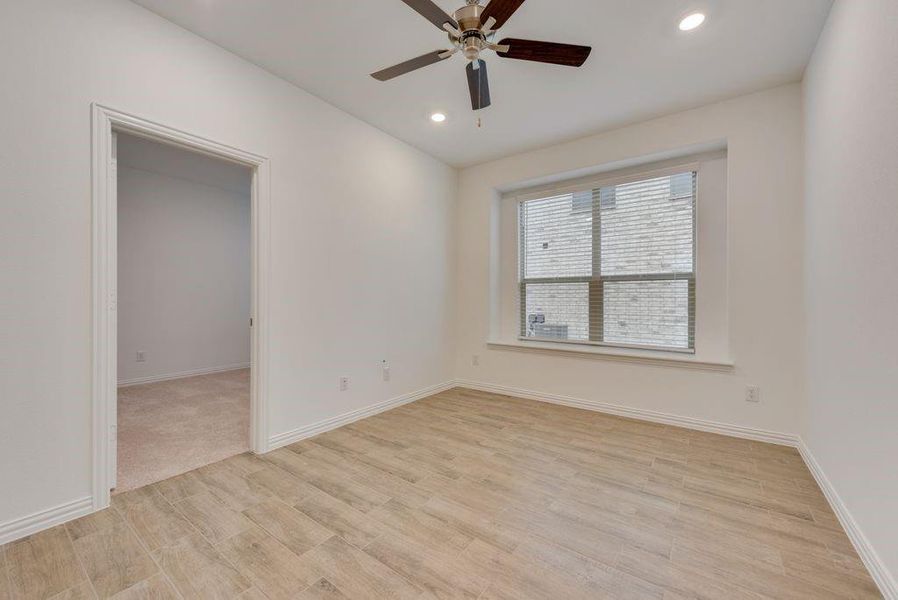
point(183, 261)
point(361, 231)
point(851, 220)
point(762, 133)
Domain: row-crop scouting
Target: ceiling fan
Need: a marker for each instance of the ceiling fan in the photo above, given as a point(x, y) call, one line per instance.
point(471, 30)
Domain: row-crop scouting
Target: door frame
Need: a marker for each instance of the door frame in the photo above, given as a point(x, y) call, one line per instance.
point(105, 123)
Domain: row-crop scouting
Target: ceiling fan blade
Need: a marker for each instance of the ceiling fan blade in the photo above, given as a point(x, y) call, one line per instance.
point(547, 52)
point(410, 65)
point(431, 12)
point(500, 10)
point(478, 85)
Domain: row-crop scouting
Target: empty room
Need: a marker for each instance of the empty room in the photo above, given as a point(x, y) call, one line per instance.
point(183, 255)
point(484, 299)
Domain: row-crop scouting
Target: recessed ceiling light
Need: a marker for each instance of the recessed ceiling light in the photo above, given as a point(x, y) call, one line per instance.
point(437, 117)
point(692, 21)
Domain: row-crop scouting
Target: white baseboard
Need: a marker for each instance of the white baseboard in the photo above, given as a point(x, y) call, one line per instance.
point(750, 433)
point(24, 526)
point(886, 582)
point(182, 374)
point(288, 437)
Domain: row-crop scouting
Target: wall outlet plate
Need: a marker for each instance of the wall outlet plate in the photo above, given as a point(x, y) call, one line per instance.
point(752, 393)
point(141, 356)
point(344, 383)
point(475, 360)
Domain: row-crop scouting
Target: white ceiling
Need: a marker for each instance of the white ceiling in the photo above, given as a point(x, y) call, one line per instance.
point(641, 65)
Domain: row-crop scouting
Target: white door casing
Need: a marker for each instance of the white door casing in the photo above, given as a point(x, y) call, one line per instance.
point(105, 123)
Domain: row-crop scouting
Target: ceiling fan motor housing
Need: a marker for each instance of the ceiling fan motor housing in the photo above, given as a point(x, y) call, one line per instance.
point(468, 19)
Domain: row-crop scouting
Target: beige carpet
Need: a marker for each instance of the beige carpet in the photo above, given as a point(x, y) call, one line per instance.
point(172, 427)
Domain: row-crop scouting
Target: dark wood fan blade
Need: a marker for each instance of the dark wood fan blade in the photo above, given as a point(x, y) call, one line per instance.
point(478, 85)
point(547, 52)
point(500, 10)
point(431, 12)
point(409, 65)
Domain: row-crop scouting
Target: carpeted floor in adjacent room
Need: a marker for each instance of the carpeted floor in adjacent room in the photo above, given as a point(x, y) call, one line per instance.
point(175, 426)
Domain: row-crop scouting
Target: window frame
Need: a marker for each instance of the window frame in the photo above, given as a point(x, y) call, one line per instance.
point(596, 281)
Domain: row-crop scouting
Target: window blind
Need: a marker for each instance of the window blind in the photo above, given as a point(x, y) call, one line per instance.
point(614, 265)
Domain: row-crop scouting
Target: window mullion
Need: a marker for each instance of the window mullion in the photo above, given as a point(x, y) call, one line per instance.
point(691, 312)
point(596, 291)
point(522, 268)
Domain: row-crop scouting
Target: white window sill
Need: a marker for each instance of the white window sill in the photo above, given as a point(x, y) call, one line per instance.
point(648, 357)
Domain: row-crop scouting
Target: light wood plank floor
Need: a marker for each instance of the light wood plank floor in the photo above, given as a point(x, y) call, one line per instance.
point(463, 495)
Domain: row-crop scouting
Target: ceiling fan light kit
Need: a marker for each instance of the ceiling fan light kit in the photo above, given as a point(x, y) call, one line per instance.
point(471, 30)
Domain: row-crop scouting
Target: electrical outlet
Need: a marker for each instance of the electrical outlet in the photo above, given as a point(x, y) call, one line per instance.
point(386, 370)
point(475, 360)
point(752, 393)
point(344, 383)
point(141, 356)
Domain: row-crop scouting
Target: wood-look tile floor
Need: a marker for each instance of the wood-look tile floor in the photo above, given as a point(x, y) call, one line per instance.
point(463, 495)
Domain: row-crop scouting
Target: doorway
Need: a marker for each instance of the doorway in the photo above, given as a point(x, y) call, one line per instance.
point(183, 262)
point(199, 381)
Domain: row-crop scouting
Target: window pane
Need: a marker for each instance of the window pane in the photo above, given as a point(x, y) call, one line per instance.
point(556, 236)
point(649, 313)
point(647, 226)
point(557, 311)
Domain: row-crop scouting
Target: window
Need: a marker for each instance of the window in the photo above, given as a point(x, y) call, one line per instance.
point(614, 265)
